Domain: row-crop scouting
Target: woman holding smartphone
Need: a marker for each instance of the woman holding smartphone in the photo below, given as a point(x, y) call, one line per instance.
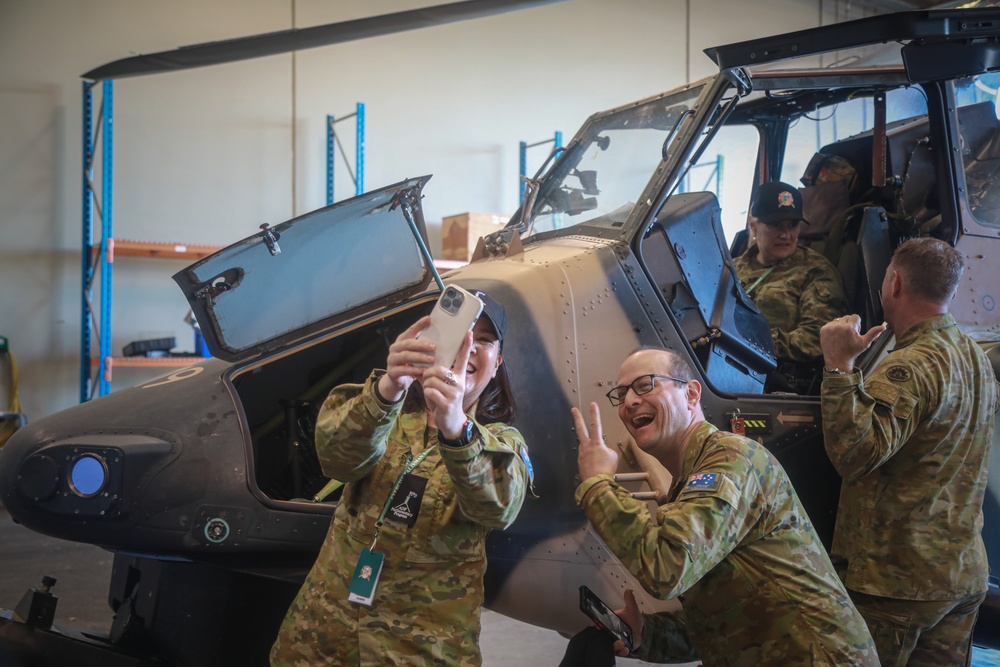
point(431, 465)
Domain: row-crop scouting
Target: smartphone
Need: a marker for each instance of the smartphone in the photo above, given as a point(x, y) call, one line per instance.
point(454, 314)
point(604, 618)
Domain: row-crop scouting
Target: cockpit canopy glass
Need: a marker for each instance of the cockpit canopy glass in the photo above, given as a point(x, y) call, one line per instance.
point(306, 274)
point(979, 141)
point(606, 168)
point(875, 56)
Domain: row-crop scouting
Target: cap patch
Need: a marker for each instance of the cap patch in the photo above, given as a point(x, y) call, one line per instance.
point(776, 202)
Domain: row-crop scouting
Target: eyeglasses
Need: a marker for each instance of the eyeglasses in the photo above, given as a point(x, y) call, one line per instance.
point(639, 386)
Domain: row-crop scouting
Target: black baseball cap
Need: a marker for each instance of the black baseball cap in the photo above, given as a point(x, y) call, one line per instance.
point(777, 201)
point(494, 310)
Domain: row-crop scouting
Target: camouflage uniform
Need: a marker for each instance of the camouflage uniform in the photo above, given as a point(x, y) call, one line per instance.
point(801, 294)
point(912, 444)
point(426, 610)
point(735, 545)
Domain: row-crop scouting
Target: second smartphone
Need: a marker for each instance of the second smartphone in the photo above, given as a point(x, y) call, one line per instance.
point(604, 618)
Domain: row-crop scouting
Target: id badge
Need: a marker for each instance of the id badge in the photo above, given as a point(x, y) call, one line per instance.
point(406, 503)
point(365, 579)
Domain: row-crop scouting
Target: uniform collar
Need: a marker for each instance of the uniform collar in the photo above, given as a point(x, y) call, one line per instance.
point(753, 254)
point(693, 451)
point(931, 324)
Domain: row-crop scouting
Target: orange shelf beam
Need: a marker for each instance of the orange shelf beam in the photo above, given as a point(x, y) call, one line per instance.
point(148, 362)
point(157, 249)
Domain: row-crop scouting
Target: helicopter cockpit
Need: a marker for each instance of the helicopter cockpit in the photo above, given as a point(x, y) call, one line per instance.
point(857, 128)
point(603, 171)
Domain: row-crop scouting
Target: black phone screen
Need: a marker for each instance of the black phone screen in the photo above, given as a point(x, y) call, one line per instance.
point(603, 617)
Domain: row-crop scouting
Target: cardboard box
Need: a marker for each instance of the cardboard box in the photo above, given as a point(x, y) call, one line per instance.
point(460, 233)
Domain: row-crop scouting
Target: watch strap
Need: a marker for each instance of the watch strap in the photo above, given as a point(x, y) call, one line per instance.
point(469, 431)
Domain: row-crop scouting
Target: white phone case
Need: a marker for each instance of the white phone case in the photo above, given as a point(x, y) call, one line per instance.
point(454, 314)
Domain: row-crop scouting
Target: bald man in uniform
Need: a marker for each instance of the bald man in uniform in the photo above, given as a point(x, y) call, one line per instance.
point(732, 538)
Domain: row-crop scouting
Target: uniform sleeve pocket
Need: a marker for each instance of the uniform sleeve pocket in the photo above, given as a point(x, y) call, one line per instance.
point(900, 402)
point(904, 406)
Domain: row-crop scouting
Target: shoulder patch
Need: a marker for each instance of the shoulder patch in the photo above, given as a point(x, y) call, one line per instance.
point(898, 373)
point(527, 464)
point(711, 485)
point(706, 480)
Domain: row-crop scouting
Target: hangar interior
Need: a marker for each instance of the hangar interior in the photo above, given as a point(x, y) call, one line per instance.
point(207, 155)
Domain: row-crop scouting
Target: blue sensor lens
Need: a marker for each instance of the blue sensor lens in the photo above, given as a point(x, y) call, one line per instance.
point(88, 476)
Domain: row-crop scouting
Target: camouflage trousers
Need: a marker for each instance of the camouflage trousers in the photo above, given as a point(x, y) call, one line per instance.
point(916, 633)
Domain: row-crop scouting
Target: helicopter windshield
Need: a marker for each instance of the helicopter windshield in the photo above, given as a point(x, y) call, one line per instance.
point(608, 164)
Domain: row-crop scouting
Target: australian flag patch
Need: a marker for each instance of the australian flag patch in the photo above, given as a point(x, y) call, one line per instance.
point(705, 480)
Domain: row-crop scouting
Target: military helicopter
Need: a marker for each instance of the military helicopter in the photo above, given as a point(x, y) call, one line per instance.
point(205, 484)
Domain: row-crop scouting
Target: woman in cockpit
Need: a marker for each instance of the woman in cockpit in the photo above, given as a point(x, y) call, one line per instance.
point(431, 466)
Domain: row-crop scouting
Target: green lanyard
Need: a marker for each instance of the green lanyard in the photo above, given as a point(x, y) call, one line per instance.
point(760, 278)
point(411, 464)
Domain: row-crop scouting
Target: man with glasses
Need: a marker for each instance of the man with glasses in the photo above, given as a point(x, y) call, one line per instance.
point(732, 541)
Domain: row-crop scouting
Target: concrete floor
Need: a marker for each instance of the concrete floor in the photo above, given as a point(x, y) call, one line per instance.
point(82, 572)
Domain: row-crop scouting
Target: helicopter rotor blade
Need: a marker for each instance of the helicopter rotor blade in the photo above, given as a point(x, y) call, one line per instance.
point(296, 39)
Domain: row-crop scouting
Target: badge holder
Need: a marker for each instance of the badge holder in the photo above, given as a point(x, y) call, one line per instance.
point(365, 579)
point(369, 567)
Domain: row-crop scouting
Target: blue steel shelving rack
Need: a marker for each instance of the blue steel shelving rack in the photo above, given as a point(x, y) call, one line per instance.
point(523, 160)
point(97, 258)
point(714, 169)
point(359, 152)
point(89, 318)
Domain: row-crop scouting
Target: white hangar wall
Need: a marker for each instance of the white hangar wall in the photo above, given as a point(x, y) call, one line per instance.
point(207, 155)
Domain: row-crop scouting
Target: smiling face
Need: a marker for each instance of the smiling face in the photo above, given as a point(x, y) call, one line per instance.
point(484, 360)
point(658, 420)
point(776, 242)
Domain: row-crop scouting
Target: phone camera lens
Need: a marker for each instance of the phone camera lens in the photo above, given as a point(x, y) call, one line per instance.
point(451, 300)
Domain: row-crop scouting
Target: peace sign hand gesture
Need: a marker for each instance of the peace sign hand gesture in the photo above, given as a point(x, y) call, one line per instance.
point(593, 456)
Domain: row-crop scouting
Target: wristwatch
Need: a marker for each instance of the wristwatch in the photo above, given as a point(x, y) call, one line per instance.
point(836, 371)
point(469, 431)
